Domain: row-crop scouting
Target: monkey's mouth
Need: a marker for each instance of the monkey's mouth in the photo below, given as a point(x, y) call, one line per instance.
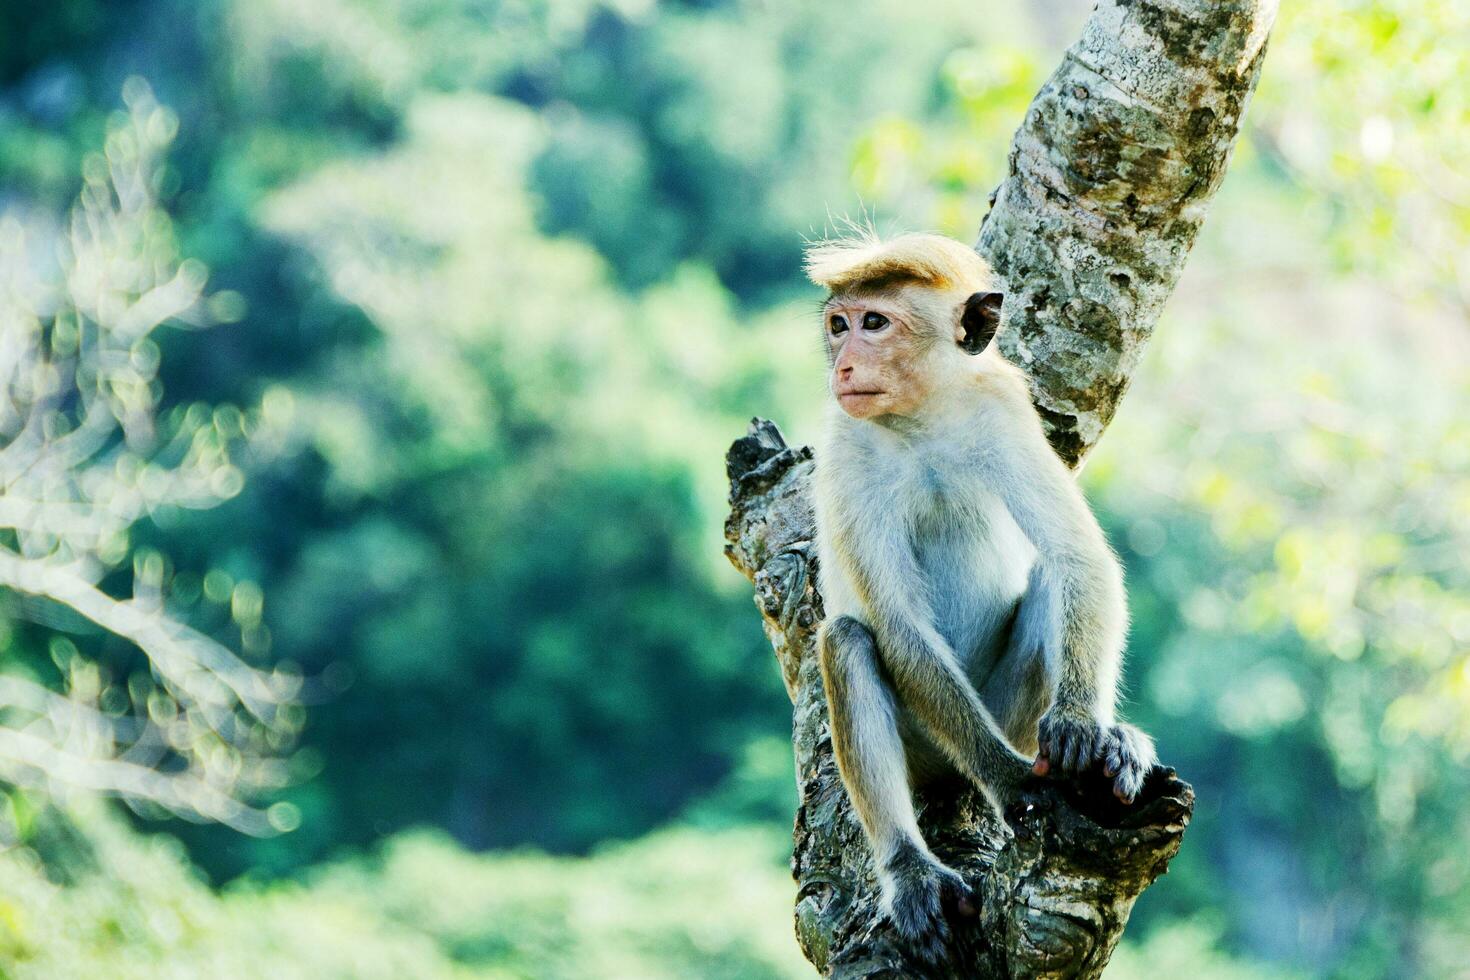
point(858, 394)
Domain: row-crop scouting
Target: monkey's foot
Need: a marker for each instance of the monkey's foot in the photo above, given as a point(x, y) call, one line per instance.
point(920, 894)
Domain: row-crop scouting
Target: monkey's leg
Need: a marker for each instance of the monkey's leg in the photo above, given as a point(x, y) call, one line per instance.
point(1018, 692)
point(915, 886)
point(930, 684)
point(1019, 688)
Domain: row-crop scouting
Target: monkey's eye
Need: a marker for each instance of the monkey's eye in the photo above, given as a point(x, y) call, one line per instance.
point(874, 321)
point(839, 324)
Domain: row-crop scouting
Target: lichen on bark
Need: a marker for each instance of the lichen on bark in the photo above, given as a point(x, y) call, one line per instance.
point(1110, 176)
point(1109, 179)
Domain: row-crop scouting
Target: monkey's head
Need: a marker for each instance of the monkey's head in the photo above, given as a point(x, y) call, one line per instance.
point(904, 319)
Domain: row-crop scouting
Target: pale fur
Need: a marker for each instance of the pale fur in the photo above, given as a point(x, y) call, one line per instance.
point(962, 545)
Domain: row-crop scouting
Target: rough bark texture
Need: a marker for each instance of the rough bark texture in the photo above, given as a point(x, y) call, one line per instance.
point(1110, 176)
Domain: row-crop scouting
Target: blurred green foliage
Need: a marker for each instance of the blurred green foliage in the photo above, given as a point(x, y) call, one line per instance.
point(509, 274)
point(677, 903)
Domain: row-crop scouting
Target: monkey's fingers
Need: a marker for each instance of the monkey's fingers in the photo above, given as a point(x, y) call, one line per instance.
point(961, 899)
point(1076, 751)
point(1114, 756)
point(1065, 747)
point(1129, 780)
point(1130, 756)
point(1125, 789)
point(1080, 748)
point(1049, 748)
point(923, 899)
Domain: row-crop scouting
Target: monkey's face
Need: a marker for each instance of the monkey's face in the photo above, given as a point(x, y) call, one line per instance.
point(880, 349)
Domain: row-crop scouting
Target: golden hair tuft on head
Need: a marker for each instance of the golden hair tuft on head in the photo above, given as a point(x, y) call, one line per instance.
point(845, 264)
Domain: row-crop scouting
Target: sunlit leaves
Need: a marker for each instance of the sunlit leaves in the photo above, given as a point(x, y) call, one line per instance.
point(1365, 103)
point(89, 451)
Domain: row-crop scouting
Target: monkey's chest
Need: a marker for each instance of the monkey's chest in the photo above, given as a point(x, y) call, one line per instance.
point(975, 562)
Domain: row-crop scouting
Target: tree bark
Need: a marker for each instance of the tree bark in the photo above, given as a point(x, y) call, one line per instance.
point(1110, 176)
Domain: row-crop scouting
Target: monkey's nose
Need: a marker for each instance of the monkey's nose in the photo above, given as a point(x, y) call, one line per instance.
point(844, 373)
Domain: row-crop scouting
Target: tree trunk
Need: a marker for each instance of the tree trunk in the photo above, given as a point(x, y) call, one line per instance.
point(1110, 176)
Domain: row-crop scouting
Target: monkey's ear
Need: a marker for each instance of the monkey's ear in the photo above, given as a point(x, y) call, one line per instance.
point(979, 321)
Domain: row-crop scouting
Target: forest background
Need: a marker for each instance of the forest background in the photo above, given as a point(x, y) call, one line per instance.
point(478, 293)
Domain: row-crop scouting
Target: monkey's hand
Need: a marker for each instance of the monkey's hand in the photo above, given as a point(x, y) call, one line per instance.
point(919, 894)
point(1072, 742)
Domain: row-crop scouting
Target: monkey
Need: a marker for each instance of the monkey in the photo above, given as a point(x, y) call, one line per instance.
point(976, 614)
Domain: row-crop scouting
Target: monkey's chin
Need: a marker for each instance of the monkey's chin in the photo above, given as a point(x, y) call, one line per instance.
point(862, 405)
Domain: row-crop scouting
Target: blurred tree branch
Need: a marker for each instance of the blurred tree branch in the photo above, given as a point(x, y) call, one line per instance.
point(1110, 177)
point(85, 456)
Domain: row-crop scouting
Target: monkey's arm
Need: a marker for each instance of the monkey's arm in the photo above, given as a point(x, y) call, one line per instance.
point(876, 559)
point(1084, 581)
point(1083, 577)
